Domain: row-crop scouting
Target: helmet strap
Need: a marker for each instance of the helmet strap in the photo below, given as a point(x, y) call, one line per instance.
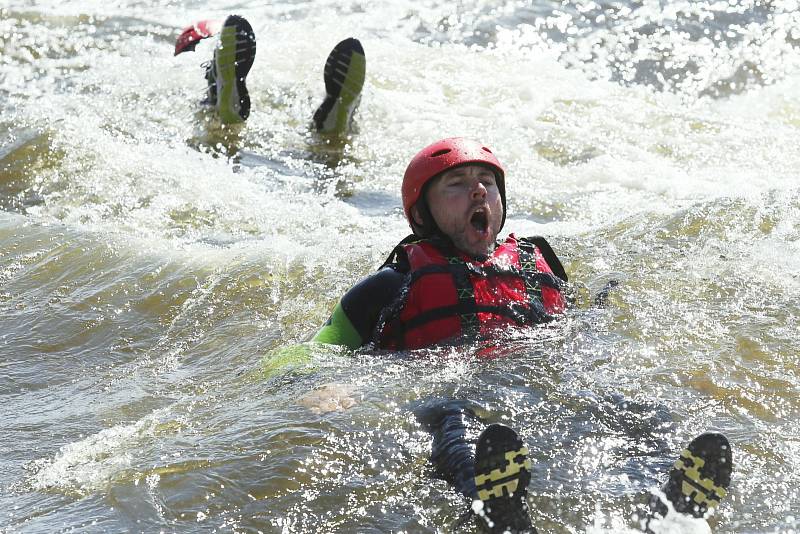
point(429, 229)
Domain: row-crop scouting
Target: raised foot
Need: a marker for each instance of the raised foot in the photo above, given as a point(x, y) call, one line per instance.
point(344, 74)
point(502, 475)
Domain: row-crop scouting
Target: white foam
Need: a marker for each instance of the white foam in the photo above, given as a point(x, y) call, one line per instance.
point(91, 463)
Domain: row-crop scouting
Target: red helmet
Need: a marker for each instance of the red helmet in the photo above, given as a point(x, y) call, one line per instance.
point(444, 155)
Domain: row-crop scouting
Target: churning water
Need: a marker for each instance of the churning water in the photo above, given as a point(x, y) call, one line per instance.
point(157, 271)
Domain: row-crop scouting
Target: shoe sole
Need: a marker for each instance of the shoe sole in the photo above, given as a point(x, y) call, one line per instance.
point(234, 57)
point(502, 475)
point(344, 74)
point(698, 481)
point(701, 476)
point(502, 466)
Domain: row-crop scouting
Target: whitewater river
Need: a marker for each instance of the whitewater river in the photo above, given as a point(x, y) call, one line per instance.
point(158, 271)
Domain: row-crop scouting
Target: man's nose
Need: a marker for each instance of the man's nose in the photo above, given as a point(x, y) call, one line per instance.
point(478, 190)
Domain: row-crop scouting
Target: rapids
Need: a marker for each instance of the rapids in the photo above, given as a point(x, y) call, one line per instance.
point(158, 271)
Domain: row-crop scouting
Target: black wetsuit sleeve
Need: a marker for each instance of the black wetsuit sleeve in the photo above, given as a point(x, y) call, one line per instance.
point(364, 302)
point(354, 318)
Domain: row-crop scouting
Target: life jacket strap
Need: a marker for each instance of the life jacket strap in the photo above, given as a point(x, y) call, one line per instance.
point(533, 285)
point(467, 306)
point(398, 253)
point(515, 312)
point(534, 277)
point(547, 253)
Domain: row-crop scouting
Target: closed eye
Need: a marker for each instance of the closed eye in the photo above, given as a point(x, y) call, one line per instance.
point(488, 178)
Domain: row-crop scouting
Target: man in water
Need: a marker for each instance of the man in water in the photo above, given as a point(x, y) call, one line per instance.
point(234, 54)
point(452, 281)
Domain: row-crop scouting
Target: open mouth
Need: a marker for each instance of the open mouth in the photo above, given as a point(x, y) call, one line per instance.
point(480, 220)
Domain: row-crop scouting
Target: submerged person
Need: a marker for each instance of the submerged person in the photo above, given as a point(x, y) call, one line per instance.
point(234, 54)
point(452, 281)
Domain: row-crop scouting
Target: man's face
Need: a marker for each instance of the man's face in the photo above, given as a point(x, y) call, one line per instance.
point(465, 202)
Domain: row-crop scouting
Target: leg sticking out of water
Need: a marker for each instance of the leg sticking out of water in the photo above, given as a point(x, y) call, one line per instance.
point(698, 480)
point(455, 428)
point(493, 473)
point(344, 75)
point(227, 71)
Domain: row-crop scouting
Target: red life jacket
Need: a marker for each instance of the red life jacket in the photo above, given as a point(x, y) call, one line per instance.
point(448, 294)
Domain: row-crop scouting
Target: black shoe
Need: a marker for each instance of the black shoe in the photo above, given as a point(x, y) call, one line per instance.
point(502, 474)
point(344, 75)
point(233, 58)
point(699, 479)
